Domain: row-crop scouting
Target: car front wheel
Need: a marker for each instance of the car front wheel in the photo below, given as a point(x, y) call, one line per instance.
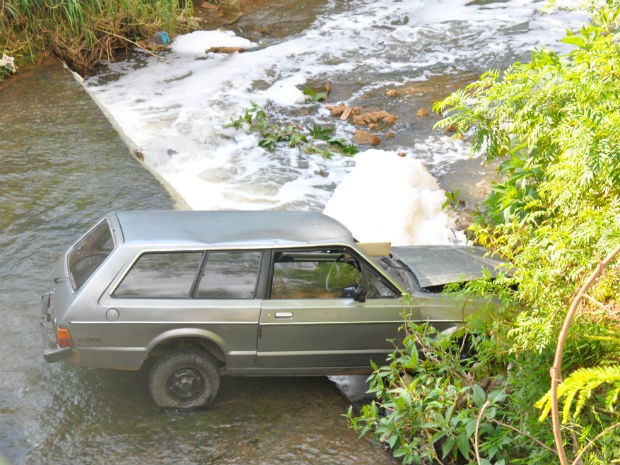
point(184, 379)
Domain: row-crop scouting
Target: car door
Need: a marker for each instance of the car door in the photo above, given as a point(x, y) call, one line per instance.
point(208, 295)
point(311, 320)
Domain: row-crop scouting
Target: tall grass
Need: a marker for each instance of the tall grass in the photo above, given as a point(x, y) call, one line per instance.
point(83, 32)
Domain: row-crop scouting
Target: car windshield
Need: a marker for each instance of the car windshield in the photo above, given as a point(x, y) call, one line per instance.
point(88, 253)
point(397, 271)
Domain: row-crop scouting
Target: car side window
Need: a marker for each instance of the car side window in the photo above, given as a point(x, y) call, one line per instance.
point(313, 274)
point(161, 275)
point(229, 275)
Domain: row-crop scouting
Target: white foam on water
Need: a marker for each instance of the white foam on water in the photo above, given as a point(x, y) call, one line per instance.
point(286, 91)
point(175, 108)
point(392, 198)
point(388, 197)
point(197, 42)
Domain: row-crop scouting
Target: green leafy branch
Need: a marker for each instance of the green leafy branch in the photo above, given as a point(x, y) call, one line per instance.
point(313, 95)
point(581, 384)
point(317, 139)
point(428, 403)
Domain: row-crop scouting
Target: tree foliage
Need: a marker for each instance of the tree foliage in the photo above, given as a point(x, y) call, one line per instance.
point(553, 127)
point(553, 124)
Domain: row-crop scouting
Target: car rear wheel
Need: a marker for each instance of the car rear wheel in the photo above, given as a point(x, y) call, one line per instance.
point(184, 379)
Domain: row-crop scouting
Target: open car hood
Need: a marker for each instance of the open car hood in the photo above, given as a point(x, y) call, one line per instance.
point(438, 265)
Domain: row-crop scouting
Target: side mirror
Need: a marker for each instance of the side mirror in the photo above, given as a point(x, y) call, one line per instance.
point(355, 292)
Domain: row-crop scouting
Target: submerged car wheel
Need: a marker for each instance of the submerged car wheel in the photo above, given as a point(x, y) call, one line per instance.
point(184, 379)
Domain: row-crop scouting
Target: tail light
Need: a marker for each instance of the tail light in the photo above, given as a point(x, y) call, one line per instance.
point(63, 337)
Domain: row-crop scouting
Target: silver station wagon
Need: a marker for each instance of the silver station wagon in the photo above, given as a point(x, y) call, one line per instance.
point(194, 295)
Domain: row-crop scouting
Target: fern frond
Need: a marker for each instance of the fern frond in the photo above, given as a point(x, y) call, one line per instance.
point(578, 388)
point(612, 398)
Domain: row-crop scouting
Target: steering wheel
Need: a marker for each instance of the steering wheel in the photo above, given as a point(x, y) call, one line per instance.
point(341, 259)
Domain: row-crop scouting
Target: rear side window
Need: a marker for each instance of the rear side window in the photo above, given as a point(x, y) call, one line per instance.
point(174, 275)
point(161, 275)
point(230, 275)
point(88, 253)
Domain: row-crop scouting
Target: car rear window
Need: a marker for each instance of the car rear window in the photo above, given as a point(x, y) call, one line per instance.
point(89, 253)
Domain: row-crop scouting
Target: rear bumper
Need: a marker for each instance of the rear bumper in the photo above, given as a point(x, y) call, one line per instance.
point(51, 352)
point(56, 355)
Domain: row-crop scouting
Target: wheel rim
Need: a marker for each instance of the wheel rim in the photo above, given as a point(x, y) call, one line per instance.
point(185, 385)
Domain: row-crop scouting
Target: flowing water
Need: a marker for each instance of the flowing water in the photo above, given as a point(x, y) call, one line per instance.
point(63, 165)
point(175, 106)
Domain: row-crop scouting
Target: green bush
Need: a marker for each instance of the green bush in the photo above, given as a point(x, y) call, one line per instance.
point(556, 210)
point(436, 400)
point(553, 124)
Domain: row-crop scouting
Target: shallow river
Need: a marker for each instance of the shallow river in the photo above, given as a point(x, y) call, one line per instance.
point(379, 55)
point(63, 164)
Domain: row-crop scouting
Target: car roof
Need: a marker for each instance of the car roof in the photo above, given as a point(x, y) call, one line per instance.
point(231, 228)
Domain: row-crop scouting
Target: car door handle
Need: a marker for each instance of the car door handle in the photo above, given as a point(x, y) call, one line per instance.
point(284, 315)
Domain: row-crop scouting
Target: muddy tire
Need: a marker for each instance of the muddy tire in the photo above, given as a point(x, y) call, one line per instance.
point(184, 379)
